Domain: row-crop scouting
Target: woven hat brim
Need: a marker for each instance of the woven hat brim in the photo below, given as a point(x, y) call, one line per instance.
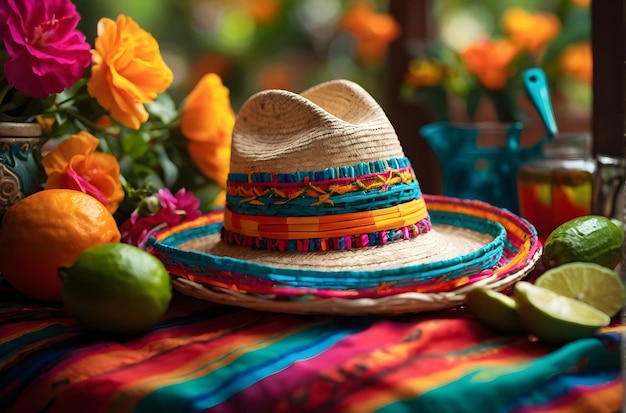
point(397, 304)
point(521, 250)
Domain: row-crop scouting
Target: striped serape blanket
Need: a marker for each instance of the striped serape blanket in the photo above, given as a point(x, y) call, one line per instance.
point(209, 358)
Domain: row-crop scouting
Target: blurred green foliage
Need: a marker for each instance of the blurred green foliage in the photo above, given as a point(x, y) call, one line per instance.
point(459, 22)
point(252, 45)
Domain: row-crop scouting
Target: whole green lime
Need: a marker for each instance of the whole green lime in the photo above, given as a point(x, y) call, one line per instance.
point(590, 238)
point(116, 288)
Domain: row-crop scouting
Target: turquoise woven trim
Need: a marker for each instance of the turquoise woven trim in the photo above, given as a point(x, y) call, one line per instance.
point(352, 171)
point(347, 189)
point(341, 203)
point(229, 271)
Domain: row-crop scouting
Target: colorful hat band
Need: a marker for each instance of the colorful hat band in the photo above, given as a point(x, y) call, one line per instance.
point(334, 232)
point(366, 186)
point(335, 209)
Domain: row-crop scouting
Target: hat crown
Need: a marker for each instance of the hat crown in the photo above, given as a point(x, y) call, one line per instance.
point(318, 171)
point(334, 124)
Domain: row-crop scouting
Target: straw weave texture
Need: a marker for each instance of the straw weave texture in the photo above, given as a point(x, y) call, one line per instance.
point(334, 124)
point(443, 242)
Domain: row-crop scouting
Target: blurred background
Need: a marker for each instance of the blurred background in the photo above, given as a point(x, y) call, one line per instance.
point(409, 54)
point(293, 44)
point(251, 44)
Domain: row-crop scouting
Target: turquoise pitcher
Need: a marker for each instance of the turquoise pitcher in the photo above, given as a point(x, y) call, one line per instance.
point(478, 161)
point(481, 160)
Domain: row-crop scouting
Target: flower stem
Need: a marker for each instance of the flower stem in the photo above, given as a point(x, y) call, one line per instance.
point(77, 98)
point(4, 91)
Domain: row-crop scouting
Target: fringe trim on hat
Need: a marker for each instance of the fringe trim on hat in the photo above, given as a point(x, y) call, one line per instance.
point(329, 244)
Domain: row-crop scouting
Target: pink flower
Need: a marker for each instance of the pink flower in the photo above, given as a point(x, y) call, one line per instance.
point(75, 164)
point(46, 52)
point(159, 211)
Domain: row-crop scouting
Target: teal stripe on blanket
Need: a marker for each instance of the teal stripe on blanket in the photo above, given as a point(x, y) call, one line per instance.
point(247, 369)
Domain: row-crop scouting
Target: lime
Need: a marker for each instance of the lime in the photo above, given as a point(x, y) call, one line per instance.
point(554, 318)
point(590, 238)
point(116, 288)
point(494, 309)
point(593, 284)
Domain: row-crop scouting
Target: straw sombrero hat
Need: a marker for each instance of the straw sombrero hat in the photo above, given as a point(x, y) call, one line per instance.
point(324, 214)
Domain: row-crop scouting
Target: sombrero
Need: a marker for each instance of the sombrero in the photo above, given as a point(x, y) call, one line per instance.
point(324, 214)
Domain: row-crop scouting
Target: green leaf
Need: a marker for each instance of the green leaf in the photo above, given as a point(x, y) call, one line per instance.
point(435, 99)
point(474, 97)
point(146, 177)
point(126, 165)
point(133, 145)
point(169, 168)
point(207, 194)
point(504, 103)
point(163, 108)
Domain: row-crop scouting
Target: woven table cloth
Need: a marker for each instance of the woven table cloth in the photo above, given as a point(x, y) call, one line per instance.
point(205, 357)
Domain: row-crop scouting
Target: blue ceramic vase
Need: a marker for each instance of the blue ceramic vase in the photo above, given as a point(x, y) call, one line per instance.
point(21, 172)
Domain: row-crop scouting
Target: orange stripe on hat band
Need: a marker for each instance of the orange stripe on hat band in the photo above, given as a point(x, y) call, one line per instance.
point(326, 226)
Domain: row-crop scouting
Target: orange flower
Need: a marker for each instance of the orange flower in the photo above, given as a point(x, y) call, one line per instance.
point(220, 199)
point(263, 11)
point(489, 60)
point(581, 3)
point(373, 31)
point(46, 124)
point(207, 121)
point(75, 164)
point(424, 73)
point(212, 160)
point(275, 76)
point(127, 70)
point(576, 60)
point(531, 31)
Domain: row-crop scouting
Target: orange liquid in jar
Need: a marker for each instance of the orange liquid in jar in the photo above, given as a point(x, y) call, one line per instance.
point(551, 197)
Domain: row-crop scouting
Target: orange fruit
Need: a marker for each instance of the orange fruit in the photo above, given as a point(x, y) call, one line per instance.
point(48, 229)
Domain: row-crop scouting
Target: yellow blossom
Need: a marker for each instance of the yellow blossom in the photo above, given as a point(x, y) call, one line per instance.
point(530, 30)
point(424, 73)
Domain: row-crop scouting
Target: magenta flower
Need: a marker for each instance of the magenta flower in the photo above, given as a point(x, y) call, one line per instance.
point(46, 52)
point(159, 211)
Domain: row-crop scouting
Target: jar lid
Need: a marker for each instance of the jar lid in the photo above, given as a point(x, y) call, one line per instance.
point(568, 145)
point(21, 129)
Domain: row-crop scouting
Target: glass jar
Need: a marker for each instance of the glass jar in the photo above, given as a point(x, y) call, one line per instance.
point(558, 186)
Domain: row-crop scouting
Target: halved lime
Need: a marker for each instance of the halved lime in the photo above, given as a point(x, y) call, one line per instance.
point(554, 318)
point(590, 283)
point(494, 309)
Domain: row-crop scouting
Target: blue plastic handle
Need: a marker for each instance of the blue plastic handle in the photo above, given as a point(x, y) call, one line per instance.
point(536, 86)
